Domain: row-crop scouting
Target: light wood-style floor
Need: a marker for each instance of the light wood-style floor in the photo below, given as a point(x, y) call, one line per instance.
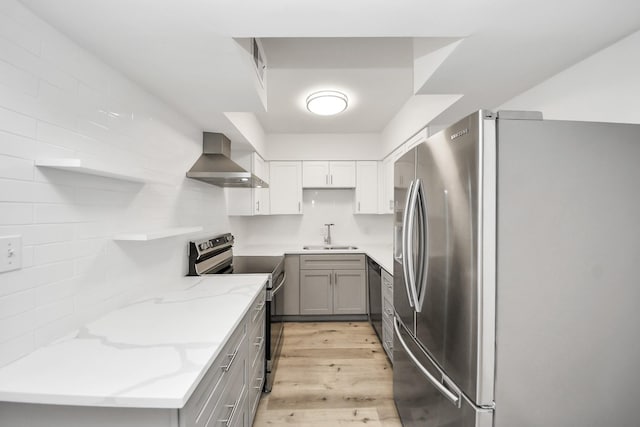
point(330, 374)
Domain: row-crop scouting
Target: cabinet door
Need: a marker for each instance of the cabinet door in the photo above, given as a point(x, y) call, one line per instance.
point(291, 305)
point(386, 186)
point(366, 187)
point(315, 174)
point(342, 174)
point(285, 187)
point(349, 292)
point(315, 292)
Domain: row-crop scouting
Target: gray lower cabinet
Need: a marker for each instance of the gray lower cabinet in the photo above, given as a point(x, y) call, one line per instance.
point(290, 303)
point(227, 395)
point(332, 284)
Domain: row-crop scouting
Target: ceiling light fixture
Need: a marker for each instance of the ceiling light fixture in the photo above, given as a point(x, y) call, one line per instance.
point(327, 102)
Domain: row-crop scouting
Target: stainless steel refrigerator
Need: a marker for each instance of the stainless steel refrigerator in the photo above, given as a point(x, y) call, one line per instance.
point(517, 274)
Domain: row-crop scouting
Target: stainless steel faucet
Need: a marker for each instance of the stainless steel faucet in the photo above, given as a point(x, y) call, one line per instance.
point(327, 238)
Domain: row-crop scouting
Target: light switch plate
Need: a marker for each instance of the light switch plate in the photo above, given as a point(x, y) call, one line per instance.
point(10, 253)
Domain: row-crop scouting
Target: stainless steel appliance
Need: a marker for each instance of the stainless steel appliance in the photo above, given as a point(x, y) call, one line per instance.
point(215, 166)
point(215, 256)
point(374, 283)
point(515, 274)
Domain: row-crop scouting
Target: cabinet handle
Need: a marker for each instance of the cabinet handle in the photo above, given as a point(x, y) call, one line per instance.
point(259, 341)
point(258, 206)
point(232, 358)
point(298, 206)
point(326, 179)
point(259, 381)
point(234, 408)
point(258, 309)
point(390, 205)
point(331, 179)
point(358, 206)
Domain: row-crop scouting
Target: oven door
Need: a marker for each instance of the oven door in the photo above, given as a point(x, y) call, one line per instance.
point(274, 329)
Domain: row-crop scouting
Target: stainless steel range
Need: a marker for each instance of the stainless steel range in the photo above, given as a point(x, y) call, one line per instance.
point(215, 256)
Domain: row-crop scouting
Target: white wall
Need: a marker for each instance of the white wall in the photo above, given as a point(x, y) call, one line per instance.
point(319, 207)
point(323, 146)
point(414, 115)
point(604, 87)
point(56, 100)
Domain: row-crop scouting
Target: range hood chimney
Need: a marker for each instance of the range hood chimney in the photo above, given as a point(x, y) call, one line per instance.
point(216, 167)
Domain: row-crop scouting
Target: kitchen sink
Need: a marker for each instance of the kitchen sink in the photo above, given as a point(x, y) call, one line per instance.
point(329, 247)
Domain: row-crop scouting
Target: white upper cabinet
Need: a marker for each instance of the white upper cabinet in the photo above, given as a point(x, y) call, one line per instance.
point(329, 174)
point(285, 188)
point(387, 174)
point(249, 201)
point(366, 187)
point(385, 196)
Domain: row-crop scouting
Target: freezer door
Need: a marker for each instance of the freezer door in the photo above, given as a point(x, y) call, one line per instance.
point(404, 174)
point(420, 401)
point(448, 318)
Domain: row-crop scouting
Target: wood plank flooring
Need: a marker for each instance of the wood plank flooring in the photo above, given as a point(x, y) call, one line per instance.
point(330, 374)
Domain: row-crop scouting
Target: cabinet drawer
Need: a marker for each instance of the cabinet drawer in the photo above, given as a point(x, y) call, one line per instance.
point(230, 360)
point(257, 342)
point(256, 382)
point(230, 408)
point(387, 285)
point(332, 262)
point(256, 312)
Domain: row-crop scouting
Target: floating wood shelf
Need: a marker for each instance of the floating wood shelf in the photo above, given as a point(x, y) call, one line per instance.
point(89, 167)
point(156, 234)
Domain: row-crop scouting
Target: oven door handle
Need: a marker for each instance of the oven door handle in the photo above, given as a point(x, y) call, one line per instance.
point(281, 284)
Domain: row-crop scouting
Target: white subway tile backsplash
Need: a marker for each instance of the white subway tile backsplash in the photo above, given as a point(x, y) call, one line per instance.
point(17, 123)
point(27, 278)
point(14, 326)
point(16, 191)
point(46, 314)
point(16, 213)
point(72, 270)
point(55, 252)
point(18, 79)
point(16, 303)
point(16, 168)
point(47, 233)
point(17, 347)
point(17, 146)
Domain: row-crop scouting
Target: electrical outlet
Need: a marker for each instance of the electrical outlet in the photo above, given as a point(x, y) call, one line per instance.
point(10, 253)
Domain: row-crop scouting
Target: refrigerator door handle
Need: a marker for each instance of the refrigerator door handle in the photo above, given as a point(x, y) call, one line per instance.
point(406, 244)
point(423, 256)
point(411, 262)
point(453, 398)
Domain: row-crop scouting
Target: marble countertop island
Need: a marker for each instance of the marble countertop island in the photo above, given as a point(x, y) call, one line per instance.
point(151, 353)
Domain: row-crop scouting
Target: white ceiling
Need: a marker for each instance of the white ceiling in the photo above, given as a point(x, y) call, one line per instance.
point(184, 52)
point(376, 74)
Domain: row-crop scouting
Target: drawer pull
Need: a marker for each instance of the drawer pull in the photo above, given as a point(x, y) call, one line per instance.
point(259, 381)
point(232, 358)
point(258, 309)
point(234, 408)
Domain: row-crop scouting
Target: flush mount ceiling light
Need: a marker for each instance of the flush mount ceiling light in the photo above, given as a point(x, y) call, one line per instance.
point(327, 102)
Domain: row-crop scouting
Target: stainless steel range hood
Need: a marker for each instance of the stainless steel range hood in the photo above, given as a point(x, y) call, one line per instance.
point(216, 167)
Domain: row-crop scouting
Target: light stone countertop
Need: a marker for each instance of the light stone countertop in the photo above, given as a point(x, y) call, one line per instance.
point(151, 353)
point(382, 254)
